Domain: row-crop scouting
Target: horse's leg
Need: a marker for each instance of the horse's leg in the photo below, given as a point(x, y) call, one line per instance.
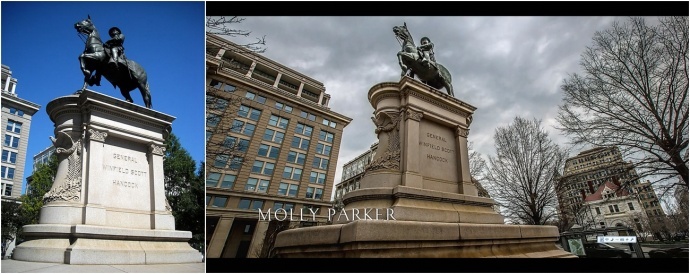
point(126, 95)
point(449, 88)
point(402, 65)
point(145, 94)
point(85, 71)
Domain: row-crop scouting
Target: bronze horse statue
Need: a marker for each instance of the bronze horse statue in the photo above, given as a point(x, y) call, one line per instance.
point(127, 75)
point(411, 63)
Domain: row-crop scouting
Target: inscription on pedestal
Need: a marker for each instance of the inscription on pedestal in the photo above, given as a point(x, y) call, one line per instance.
point(437, 152)
point(125, 173)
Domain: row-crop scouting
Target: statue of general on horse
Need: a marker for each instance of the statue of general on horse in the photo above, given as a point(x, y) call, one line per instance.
point(108, 59)
point(420, 61)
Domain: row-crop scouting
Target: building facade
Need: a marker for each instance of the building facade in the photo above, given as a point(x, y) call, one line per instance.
point(611, 206)
point(43, 156)
point(272, 145)
point(16, 122)
point(590, 169)
point(352, 174)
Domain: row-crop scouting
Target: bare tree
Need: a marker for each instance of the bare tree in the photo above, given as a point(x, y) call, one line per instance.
point(522, 176)
point(477, 170)
point(634, 94)
point(224, 26)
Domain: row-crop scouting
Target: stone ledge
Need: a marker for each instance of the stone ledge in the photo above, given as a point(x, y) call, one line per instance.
point(100, 232)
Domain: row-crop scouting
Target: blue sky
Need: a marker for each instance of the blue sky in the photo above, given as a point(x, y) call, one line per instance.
point(41, 47)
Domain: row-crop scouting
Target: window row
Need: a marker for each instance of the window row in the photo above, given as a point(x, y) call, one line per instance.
point(254, 97)
point(256, 204)
point(15, 111)
point(222, 86)
point(283, 107)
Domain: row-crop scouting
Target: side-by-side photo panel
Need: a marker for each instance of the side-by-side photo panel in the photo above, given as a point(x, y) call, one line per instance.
point(101, 95)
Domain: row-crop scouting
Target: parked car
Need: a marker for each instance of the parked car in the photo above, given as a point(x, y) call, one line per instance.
point(677, 252)
point(601, 250)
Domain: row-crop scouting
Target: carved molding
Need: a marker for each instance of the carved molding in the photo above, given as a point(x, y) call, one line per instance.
point(462, 132)
point(67, 188)
point(96, 135)
point(414, 115)
point(389, 124)
point(157, 150)
point(437, 103)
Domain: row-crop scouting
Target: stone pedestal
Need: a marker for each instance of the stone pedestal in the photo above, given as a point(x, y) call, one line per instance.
point(107, 204)
point(420, 177)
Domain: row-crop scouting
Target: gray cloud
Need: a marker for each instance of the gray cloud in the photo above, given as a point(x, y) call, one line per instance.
point(505, 66)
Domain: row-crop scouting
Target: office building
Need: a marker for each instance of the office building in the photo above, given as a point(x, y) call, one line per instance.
point(272, 144)
point(16, 122)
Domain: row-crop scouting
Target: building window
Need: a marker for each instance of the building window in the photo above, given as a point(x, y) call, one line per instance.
point(262, 167)
point(258, 185)
point(613, 208)
point(274, 136)
point(228, 181)
point(329, 123)
point(292, 173)
point(7, 172)
point(326, 136)
point(250, 204)
point(598, 211)
point(17, 112)
point(317, 178)
point(9, 156)
point(249, 112)
point(298, 142)
point(243, 128)
point(314, 193)
point(320, 163)
point(229, 88)
point(7, 189)
point(219, 201)
point(221, 160)
point(268, 151)
point(278, 121)
point(303, 129)
point(215, 83)
point(215, 103)
point(14, 126)
point(308, 115)
point(212, 120)
point(323, 149)
point(287, 189)
point(284, 107)
point(602, 225)
point(283, 205)
point(630, 206)
point(258, 98)
point(209, 134)
point(212, 179)
point(236, 162)
point(296, 157)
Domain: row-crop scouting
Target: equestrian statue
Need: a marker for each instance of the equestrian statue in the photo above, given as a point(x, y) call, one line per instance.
point(109, 60)
point(420, 61)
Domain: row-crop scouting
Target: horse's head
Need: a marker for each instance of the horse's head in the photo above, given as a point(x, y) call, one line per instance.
point(401, 32)
point(85, 26)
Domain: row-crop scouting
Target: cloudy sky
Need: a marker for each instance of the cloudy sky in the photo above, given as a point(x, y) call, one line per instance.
point(504, 66)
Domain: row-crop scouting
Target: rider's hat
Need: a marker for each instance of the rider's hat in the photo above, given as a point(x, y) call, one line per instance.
point(114, 29)
point(425, 38)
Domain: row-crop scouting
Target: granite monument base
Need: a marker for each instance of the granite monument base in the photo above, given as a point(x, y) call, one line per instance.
point(420, 177)
point(107, 204)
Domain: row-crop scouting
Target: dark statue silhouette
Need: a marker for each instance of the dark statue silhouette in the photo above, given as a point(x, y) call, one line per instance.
point(415, 60)
point(123, 73)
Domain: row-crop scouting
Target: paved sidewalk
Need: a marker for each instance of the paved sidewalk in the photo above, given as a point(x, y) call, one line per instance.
point(12, 266)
